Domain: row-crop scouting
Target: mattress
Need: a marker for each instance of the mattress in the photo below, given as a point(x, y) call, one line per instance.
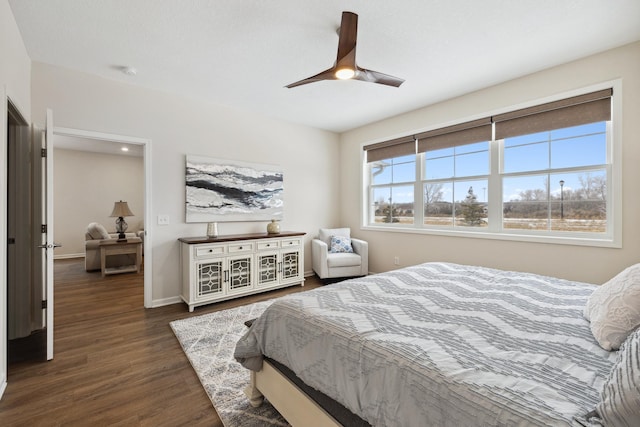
point(440, 344)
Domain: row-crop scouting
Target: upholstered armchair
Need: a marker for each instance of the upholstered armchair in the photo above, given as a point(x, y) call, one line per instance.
point(336, 255)
point(94, 234)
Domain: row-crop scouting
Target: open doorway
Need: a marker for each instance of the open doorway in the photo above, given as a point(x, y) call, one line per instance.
point(105, 169)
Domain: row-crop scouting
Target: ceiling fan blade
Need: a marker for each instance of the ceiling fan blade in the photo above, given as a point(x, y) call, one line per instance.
point(377, 77)
point(347, 41)
point(329, 74)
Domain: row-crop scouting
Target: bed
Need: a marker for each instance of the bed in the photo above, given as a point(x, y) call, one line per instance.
point(436, 344)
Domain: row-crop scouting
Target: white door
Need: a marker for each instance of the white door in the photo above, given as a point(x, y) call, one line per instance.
point(47, 220)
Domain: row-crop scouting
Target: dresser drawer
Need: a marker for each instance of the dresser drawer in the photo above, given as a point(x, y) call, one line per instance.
point(204, 251)
point(268, 245)
point(289, 243)
point(236, 248)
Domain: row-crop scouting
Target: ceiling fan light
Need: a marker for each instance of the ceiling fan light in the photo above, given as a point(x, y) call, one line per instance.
point(345, 73)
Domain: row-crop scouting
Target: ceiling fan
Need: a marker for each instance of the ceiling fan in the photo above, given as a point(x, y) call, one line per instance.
point(345, 67)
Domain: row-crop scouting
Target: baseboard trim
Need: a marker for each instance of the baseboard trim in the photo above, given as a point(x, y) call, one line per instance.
point(165, 301)
point(68, 256)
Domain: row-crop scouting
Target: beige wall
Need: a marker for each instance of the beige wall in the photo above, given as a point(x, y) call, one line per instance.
point(572, 262)
point(179, 126)
point(86, 185)
point(15, 64)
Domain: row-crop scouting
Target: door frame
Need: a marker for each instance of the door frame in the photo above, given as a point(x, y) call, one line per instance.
point(146, 143)
point(3, 242)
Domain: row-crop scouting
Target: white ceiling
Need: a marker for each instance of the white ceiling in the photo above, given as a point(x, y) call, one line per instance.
point(241, 53)
point(66, 142)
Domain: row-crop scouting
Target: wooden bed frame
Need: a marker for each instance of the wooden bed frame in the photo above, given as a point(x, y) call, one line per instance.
point(292, 403)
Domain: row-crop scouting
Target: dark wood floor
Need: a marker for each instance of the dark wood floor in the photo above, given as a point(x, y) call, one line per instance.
point(115, 363)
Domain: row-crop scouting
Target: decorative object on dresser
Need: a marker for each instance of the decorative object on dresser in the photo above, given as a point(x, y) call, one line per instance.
point(228, 190)
point(212, 229)
point(120, 210)
point(273, 227)
point(335, 254)
point(217, 269)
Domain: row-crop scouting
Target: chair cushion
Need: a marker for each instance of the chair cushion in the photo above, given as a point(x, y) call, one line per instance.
point(325, 234)
point(97, 231)
point(343, 260)
point(614, 308)
point(340, 244)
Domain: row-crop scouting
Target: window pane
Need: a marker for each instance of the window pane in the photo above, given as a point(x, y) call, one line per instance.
point(525, 203)
point(470, 148)
point(381, 197)
point(399, 169)
point(393, 204)
point(469, 209)
point(523, 158)
point(575, 202)
point(526, 139)
point(404, 172)
point(438, 206)
point(579, 204)
point(444, 152)
point(472, 164)
point(460, 161)
point(591, 128)
point(580, 151)
point(380, 172)
point(439, 168)
point(402, 203)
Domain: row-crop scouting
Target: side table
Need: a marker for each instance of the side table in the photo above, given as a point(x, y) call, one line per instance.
point(133, 245)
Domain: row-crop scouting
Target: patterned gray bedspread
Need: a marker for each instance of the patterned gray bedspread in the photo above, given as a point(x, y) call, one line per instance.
point(440, 344)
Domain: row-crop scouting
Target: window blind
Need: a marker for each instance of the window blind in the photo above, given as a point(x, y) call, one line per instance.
point(389, 149)
point(578, 110)
point(451, 136)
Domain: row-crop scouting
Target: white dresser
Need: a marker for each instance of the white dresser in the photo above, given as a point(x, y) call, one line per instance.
point(225, 267)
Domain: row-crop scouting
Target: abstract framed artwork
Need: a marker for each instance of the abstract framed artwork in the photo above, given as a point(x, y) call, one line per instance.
point(229, 190)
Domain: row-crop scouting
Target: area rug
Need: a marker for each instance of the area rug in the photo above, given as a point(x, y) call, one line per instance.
point(209, 342)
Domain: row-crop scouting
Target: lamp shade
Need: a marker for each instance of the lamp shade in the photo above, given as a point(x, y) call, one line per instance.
point(121, 209)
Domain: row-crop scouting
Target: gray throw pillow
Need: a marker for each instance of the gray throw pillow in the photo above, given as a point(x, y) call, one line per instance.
point(620, 400)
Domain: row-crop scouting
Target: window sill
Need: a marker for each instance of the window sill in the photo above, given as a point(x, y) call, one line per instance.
point(574, 239)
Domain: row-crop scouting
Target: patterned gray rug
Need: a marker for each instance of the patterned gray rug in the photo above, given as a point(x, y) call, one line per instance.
point(209, 341)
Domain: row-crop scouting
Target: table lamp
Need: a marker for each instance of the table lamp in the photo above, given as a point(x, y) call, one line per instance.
point(120, 210)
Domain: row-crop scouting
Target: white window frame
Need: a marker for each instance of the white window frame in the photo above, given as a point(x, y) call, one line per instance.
point(613, 237)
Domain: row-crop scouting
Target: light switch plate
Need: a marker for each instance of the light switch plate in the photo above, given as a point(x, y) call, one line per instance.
point(163, 219)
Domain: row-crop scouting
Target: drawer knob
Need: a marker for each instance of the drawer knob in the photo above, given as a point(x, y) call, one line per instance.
point(210, 250)
point(240, 248)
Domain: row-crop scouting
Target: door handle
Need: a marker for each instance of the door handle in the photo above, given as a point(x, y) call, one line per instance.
point(50, 246)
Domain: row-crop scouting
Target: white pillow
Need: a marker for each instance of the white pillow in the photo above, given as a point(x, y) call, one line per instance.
point(614, 308)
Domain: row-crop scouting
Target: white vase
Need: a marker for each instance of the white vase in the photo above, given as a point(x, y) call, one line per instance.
point(273, 227)
point(212, 229)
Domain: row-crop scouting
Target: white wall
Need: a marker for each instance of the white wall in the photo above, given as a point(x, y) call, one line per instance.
point(15, 70)
point(86, 184)
point(572, 262)
point(178, 126)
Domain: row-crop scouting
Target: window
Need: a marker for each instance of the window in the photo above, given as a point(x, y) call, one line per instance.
point(541, 171)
